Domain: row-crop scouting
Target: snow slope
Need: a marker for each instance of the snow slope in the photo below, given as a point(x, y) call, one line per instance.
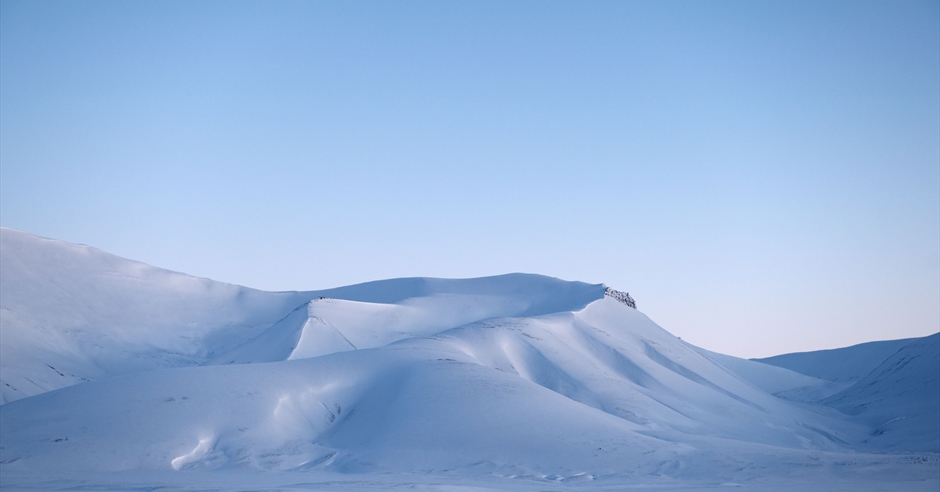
point(841, 365)
point(892, 387)
point(72, 313)
point(900, 398)
point(517, 377)
point(780, 382)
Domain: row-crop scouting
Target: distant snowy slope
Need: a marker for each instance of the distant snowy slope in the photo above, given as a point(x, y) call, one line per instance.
point(373, 314)
point(892, 387)
point(521, 294)
point(900, 399)
point(778, 381)
point(841, 365)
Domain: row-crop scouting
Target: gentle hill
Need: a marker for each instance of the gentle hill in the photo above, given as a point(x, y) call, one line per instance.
point(778, 381)
point(899, 399)
point(892, 387)
point(842, 365)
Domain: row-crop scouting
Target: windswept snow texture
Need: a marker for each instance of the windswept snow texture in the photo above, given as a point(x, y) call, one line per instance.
point(510, 382)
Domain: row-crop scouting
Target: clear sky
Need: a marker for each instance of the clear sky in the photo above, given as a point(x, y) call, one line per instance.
point(763, 177)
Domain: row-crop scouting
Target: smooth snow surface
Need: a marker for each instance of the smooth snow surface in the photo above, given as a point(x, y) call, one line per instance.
point(893, 387)
point(847, 364)
point(511, 382)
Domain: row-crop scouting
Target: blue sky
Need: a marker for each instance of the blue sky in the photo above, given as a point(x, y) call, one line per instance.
point(763, 177)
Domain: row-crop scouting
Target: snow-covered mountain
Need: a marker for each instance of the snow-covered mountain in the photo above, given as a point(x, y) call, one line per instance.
point(109, 365)
point(73, 313)
point(842, 365)
point(892, 386)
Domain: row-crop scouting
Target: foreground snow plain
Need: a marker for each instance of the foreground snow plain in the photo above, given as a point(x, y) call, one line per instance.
point(120, 376)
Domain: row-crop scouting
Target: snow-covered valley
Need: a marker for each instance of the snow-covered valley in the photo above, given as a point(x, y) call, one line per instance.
point(116, 375)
